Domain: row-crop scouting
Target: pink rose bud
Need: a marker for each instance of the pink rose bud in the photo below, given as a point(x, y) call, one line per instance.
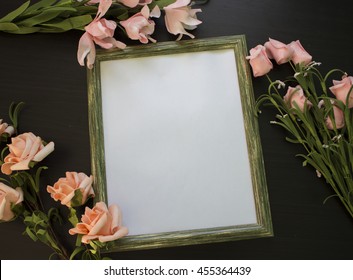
point(25, 148)
point(259, 61)
point(296, 96)
point(279, 51)
point(65, 188)
point(179, 16)
point(99, 31)
point(100, 222)
point(139, 26)
point(342, 88)
point(339, 119)
point(5, 128)
point(300, 55)
point(8, 197)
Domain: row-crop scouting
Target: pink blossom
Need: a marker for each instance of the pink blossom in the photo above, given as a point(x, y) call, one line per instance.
point(99, 31)
point(278, 51)
point(65, 188)
point(8, 198)
point(300, 55)
point(139, 26)
point(25, 148)
point(342, 88)
point(296, 96)
point(259, 61)
point(5, 128)
point(339, 119)
point(100, 222)
point(179, 16)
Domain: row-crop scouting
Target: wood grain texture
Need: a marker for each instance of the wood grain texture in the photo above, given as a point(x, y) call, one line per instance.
point(41, 70)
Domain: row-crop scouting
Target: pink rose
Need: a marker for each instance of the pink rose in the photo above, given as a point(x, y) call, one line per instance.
point(139, 26)
point(341, 89)
point(25, 148)
point(5, 128)
point(339, 119)
point(100, 223)
point(64, 189)
point(278, 51)
point(8, 197)
point(259, 61)
point(99, 31)
point(300, 55)
point(296, 96)
point(179, 16)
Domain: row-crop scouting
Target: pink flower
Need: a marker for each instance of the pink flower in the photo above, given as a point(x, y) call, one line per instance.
point(259, 61)
point(300, 55)
point(65, 188)
point(279, 51)
point(8, 197)
point(134, 3)
point(139, 27)
point(342, 88)
point(25, 148)
point(179, 16)
point(5, 128)
point(338, 117)
point(99, 31)
point(296, 96)
point(100, 223)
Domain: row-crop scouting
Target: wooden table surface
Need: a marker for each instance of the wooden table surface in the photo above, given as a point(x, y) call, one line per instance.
point(42, 71)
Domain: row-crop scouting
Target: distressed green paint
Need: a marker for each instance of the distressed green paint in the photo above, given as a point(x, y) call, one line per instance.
point(263, 227)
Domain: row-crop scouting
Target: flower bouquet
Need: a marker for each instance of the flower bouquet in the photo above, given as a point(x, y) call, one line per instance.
point(20, 197)
point(315, 112)
point(100, 18)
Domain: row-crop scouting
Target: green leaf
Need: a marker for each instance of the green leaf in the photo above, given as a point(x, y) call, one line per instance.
point(73, 217)
point(14, 111)
point(11, 16)
point(8, 26)
point(25, 30)
point(44, 16)
point(76, 251)
point(70, 23)
point(77, 199)
point(163, 3)
point(30, 234)
point(39, 5)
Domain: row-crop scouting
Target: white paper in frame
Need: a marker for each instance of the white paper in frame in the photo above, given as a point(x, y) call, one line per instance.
point(175, 143)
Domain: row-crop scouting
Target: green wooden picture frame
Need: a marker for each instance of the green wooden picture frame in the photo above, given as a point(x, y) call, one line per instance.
point(119, 74)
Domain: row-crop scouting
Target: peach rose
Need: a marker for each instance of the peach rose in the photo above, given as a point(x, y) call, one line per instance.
point(9, 196)
point(179, 16)
point(64, 189)
point(100, 223)
point(25, 148)
point(259, 61)
point(5, 128)
point(278, 51)
point(139, 26)
point(99, 31)
point(300, 55)
point(296, 96)
point(341, 89)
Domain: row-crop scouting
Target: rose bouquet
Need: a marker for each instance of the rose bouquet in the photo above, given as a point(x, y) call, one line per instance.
point(100, 18)
point(314, 111)
point(21, 197)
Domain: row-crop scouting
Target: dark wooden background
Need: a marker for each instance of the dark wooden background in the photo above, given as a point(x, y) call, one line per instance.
point(42, 71)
